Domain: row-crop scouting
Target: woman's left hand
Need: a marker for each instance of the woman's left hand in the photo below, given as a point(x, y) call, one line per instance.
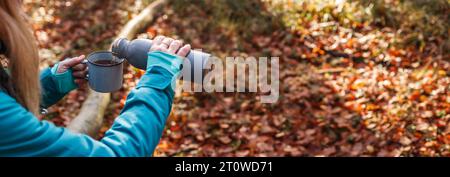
point(79, 69)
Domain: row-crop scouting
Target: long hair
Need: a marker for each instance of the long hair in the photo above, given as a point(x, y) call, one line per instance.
point(22, 52)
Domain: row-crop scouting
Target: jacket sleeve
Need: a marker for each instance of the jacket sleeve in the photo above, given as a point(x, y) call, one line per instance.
point(55, 85)
point(136, 131)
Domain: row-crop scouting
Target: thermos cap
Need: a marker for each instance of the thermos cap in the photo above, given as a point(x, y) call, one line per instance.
point(135, 52)
point(119, 47)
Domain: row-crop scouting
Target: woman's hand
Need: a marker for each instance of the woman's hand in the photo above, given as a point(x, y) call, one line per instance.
point(169, 45)
point(79, 70)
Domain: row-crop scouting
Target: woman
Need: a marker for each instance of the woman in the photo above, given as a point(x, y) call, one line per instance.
point(136, 131)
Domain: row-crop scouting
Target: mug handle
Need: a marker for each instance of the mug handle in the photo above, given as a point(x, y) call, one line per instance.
point(85, 62)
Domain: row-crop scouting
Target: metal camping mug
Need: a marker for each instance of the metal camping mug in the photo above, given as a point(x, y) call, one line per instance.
point(105, 73)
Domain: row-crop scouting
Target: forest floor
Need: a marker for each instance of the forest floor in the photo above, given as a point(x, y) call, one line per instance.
point(346, 87)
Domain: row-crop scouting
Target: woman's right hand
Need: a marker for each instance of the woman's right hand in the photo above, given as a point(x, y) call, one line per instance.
point(171, 46)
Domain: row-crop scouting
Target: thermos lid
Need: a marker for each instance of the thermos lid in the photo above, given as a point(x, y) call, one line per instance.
point(119, 47)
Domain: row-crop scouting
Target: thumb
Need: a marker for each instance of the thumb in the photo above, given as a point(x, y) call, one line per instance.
point(73, 61)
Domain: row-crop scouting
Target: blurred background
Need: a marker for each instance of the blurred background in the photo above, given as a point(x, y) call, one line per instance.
point(358, 78)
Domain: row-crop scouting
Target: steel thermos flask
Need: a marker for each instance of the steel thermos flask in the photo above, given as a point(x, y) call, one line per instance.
point(135, 52)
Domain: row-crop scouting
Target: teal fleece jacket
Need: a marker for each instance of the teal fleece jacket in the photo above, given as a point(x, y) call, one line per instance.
point(135, 132)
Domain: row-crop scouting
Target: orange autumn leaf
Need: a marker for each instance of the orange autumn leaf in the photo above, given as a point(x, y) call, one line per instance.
point(151, 32)
point(350, 97)
point(318, 51)
point(372, 107)
point(415, 95)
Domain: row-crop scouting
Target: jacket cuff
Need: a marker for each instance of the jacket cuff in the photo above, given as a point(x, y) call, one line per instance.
point(64, 81)
point(171, 63)
point(162, 70)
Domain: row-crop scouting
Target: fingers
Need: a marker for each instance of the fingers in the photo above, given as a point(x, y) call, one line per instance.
point(80, 78)
point(158, 40)
point(69, 63)
point(161, 43)
point(79, 67)
point(184, 50)
point(166, 42)
point(174, 46)
point(169, 45)
point(73, 61)
point(80, 74)
point(159, 48)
